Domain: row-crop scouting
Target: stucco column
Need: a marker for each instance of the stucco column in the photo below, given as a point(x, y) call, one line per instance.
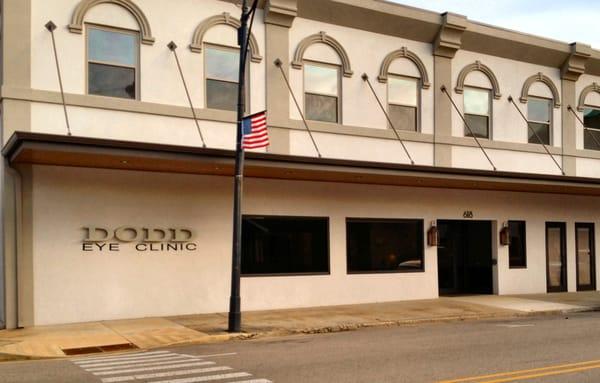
point(572, 68)
point(442, 110)
point(447, 42)
point(279, 16)
point(16, 115)
point(569, 127)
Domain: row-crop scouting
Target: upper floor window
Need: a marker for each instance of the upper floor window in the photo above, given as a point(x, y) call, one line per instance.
point(403, 96)
point(477, 109)
point(539, 116)
point(321, 92)
point(113, 62)
point(222, 77)
point(591, 134)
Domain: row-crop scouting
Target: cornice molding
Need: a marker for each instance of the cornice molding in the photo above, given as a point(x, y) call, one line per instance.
point(574, 66)
point(322, 38)
point(281, 12)
point(449, 37)
point(406, 54)
point(84, 6)
point(594, 87)
point(478, 66)
point(223, 19)
point(540, 77)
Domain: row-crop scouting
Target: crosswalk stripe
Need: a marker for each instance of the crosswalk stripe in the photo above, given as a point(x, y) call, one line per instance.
point(164, 374)
point(149, 362)
point(206, 378)
point(171, 366)
point(137, 355)
point(168, 367)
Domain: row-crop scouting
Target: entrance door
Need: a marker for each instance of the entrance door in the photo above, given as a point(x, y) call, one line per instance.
point(586, 262)
point(465, 257)
point(556, 257)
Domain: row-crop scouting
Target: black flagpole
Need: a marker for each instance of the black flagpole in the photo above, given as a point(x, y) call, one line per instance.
point(235, 315)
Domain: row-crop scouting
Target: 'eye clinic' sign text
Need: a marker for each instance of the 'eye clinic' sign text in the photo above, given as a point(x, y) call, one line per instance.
point(142, 238)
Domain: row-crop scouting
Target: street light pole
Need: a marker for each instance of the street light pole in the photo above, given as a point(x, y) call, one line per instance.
point(235, 315)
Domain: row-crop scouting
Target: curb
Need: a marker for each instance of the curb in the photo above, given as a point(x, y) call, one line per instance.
point(342, 327)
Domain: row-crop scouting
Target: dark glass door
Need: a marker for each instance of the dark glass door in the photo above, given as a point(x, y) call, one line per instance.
point(586, 262)
point(465, 257)
point(556, 257)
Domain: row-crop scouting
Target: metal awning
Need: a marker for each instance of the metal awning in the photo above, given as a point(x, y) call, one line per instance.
point(61, 150)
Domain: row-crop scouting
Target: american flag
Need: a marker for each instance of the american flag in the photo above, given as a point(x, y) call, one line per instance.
point(254, 129)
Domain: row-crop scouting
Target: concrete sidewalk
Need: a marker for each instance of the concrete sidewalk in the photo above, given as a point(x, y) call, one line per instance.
point(119, 335)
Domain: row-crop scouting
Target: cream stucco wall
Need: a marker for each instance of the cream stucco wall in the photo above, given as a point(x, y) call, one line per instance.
point(507, 124)
point(162, 116)
point(160, 81)
point(128, 284)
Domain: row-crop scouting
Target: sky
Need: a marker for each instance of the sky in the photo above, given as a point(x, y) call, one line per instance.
point(567, 21)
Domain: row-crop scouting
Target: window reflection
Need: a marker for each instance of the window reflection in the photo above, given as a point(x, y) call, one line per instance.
point(112, 63)
point(321, 99)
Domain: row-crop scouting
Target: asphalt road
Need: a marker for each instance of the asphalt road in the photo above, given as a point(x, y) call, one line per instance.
point(546, 349)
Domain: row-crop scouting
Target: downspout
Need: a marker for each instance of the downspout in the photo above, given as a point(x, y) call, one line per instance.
point(3, 263)
point(13, 321)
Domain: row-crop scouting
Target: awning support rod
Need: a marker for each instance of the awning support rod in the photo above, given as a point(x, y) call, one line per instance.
point(50, 26)
point(365, 78)
point(537, 136)
point(173, 47)
point(585, 128)
point(445, 91)
point(278, 63)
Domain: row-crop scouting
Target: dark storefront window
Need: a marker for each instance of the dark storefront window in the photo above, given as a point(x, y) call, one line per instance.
point(384, 245)
point(517, 251)
point(285, 245)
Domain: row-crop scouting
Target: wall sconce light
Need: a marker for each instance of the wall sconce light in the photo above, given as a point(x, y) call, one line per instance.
point(433, 235)
point(505, 235)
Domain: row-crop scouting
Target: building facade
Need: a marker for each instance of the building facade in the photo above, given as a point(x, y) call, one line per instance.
point(130, 215)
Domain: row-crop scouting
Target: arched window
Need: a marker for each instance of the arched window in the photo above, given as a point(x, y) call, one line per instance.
point(589, 105)
point(324, 61)
point(541, 95)
point(405, 75)
point(112, 62)
point(216, 37)
point(479, 86)
point(112, 53)
point(221, 74)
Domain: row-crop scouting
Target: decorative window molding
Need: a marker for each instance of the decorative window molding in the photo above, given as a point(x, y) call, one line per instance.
point(543, 79)
point(403, 53)
point(223, 19)
point(584, 93)
point(84, 6)
point(322, 38)
point(478, 66)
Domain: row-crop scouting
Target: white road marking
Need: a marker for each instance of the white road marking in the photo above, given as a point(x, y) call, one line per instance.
point(142, 365)
point(166, 359)
point(515, 325)
point(137, 355)
point(168, 367)
point(206, 378)
point(149, 366)
point(165, 374)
